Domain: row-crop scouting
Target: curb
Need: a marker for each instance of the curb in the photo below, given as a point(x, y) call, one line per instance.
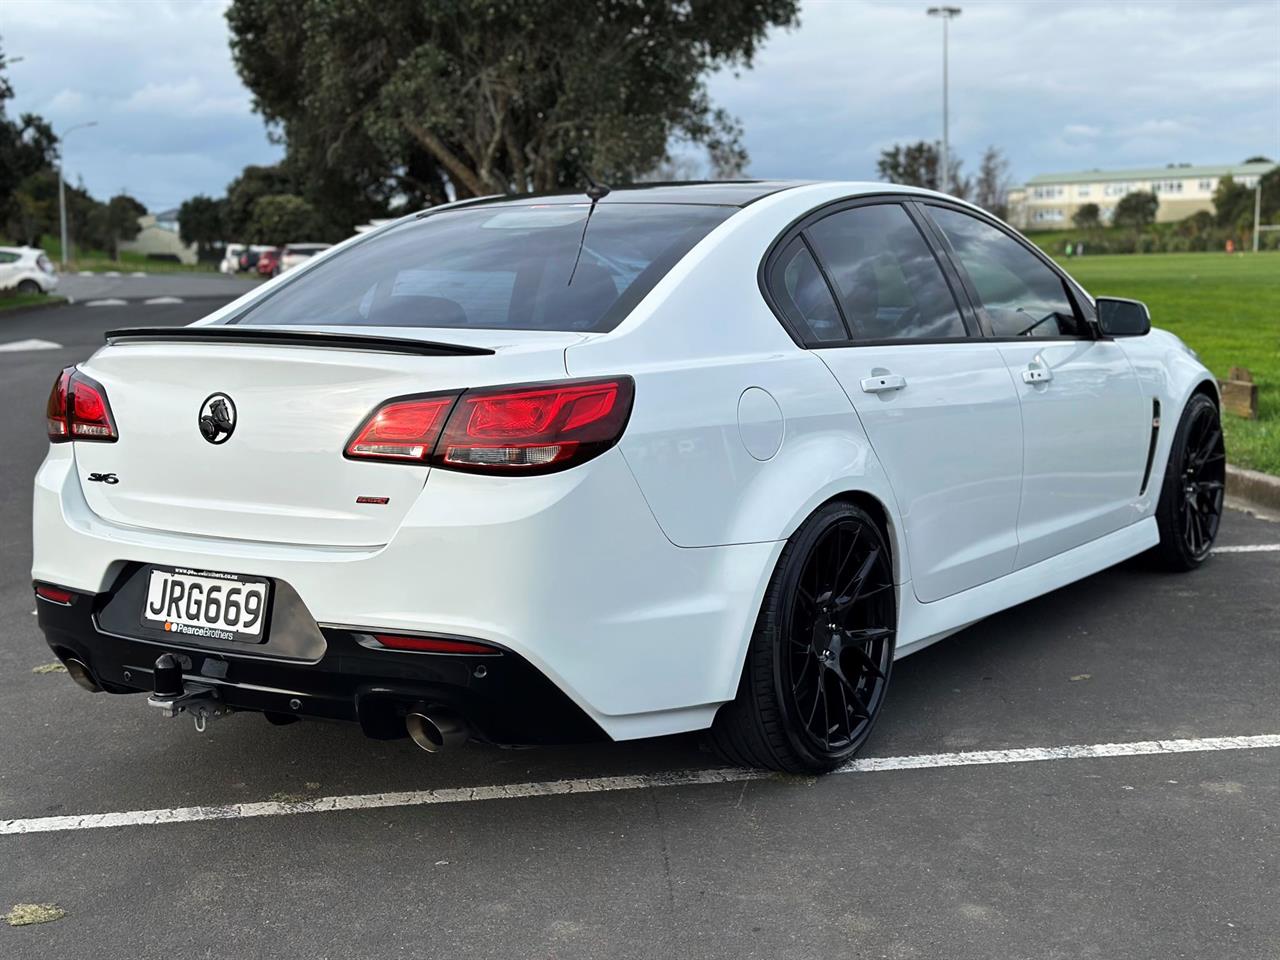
point(1254, 488)
point(59, 301)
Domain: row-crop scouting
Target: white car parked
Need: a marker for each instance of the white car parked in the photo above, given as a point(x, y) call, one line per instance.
point(26, 270)
point(664, 459)
point(296, 254)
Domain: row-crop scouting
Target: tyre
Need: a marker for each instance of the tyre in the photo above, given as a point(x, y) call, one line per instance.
point(28, 286)
point(818, 664)
point(1190, 507)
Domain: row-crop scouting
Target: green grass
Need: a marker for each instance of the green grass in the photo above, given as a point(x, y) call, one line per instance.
point(100, 261)
point(1227, 309)
point(14, 301)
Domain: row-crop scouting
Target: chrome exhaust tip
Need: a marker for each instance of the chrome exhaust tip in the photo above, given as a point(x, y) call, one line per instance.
point(436, 730)
point(80, 673)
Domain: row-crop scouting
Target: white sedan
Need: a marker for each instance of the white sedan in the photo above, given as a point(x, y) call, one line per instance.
point(705, 456)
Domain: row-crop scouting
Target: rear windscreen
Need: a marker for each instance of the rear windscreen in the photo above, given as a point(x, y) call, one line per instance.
point(534, 267)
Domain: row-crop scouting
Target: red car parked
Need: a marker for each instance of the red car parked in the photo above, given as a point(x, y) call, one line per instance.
point(269, 262)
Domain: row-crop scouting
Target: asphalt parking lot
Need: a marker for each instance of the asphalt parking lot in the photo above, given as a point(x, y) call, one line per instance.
point(1171, 851)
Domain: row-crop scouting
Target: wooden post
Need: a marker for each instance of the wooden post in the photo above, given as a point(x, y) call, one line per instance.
point(1240, 393)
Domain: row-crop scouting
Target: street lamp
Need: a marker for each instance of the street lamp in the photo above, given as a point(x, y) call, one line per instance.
point(62, 189)
point(946, 13)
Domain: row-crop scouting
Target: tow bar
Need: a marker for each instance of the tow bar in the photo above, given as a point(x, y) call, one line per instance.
point(173, 696)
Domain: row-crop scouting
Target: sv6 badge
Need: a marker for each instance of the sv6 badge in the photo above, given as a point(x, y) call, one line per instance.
point(103, 478)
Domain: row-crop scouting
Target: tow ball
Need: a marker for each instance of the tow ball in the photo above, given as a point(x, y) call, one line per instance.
point(173, 695)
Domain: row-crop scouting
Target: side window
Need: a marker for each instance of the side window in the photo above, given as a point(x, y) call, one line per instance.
point(890, 285)
point(1021, 295)
point(8, 258)
point(801, 291)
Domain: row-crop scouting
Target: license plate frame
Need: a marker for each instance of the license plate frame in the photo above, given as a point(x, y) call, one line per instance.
point(194, 628)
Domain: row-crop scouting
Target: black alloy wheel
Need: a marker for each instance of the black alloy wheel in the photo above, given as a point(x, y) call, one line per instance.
point(1190, 509)
point(819, 662)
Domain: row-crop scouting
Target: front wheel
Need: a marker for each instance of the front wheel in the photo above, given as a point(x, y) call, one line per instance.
point(819, 660)
point(1191, 496)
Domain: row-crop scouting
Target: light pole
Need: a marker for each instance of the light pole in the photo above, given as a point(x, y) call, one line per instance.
point(62, 189)
point(946, 13)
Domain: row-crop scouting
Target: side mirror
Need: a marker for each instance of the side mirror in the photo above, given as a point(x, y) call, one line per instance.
point(1123, 318)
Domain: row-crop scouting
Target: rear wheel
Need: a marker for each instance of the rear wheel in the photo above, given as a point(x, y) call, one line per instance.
point(1191, 497)
point(819, 661)
point(28, 286)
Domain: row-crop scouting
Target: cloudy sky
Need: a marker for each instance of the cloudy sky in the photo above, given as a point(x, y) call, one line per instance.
point(1058, 86)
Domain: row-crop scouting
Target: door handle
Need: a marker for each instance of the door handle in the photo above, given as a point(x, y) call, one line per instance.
point(1037, 374)
point(885, 383)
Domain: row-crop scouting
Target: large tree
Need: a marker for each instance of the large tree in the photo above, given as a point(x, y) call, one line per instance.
point(417, 100)
point(1137, 210)
point(282, 219)
point(991, 186)
point(27, 146)
point(919, 165)
point(200, 221)
point(115, 220)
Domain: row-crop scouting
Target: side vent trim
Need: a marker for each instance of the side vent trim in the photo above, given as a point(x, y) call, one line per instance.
point(1151, 450)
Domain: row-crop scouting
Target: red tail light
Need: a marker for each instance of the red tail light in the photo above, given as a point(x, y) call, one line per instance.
point(54, 594)
point(78, 409)
point(528, 429)
point(402, 430)
point(434, 645)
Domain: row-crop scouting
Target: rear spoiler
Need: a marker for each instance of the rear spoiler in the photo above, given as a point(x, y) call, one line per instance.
point(298, 338)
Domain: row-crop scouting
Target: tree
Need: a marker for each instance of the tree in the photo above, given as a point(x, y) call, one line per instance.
point(27, 146)
point(1137, 210)
point(918, 165)
point(1088, 217)
point(472, 97)
point(1258, 159)
point(991, 187)
point(113, 221)
point(1232, 202)
point(244, 192)
point(200, 222)
point(280, 219)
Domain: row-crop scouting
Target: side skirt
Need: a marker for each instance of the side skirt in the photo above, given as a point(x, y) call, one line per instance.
point(921, 624)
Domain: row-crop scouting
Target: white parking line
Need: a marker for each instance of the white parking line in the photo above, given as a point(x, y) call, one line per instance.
point(109, 302)
point(551, 788)
point(1249, 548)
point(155, 301)
point(19, 345)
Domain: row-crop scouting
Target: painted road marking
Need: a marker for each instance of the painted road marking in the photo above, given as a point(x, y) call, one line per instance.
point(109, 302)
point(156, 301)
point(1249, 548)
point(551, 788)
point(17, 345)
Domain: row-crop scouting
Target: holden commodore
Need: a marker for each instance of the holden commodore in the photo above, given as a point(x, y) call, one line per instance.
point(649, 460)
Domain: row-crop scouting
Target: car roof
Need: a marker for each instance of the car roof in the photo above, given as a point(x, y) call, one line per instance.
point(730, 193)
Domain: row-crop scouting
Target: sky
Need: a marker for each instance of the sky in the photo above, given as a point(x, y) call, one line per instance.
point(1057, 86)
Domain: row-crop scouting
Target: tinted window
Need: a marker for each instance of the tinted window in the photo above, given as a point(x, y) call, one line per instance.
point(8, 258)
point(1022, 296)
point(527, 267)
point(802, 293)
point(889, 282)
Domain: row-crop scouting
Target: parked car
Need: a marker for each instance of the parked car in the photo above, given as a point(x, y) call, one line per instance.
point(295, 254)
point(269, 262)
point(685, 457)
point(26, 270)
point(230, 262)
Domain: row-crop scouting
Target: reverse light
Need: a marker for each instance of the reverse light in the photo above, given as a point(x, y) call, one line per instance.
point(78, 409)
point(527, 429)
point(433, 645)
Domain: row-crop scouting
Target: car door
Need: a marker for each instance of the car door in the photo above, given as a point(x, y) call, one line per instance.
point(934, 399)
point(8, 269)
point(1086, 423)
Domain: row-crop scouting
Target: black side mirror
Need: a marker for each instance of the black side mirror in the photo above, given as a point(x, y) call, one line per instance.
point(1123, 318)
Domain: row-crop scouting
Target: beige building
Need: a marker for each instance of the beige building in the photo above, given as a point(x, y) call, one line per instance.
point(1049, 201)
point(160, 236)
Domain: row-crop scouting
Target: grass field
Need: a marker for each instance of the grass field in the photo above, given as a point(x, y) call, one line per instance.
point(1227, 309)
point(15, 301)
point(100, 261)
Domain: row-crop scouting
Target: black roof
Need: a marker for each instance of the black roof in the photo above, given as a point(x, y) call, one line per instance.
point(731, 193)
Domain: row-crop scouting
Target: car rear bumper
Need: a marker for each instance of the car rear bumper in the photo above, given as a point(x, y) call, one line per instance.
point(569, 573)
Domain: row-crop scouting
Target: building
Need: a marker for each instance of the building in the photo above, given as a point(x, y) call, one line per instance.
point(159, 237)
point(1049, 200)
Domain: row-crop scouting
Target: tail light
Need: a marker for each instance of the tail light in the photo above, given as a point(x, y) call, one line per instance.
point(434, 645)
point(54, 594)
point(78, 409)
point(527, 429)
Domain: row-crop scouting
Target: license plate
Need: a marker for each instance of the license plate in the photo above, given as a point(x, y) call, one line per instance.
point(203, 604)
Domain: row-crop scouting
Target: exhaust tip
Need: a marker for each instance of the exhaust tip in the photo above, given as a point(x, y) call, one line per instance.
point(80, 673)
point(436, 730)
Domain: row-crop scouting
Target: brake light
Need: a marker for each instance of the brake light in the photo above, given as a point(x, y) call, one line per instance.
point(78, 409)
point(535, 429)
point(54, 594)
point(402, 430)
point(433, 645)
point(528, 429)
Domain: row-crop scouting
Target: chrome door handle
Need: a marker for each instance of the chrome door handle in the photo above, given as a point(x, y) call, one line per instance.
point(1037, 374)
point(883, 384)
